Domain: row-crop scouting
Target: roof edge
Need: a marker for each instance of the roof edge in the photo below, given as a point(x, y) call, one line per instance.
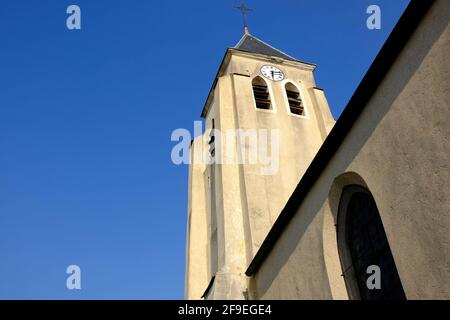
point(264, 43)
point(274, 57)
point(227, 56)
point(393, 46)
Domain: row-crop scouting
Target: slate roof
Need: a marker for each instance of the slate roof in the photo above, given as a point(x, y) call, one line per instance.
point(250, 43)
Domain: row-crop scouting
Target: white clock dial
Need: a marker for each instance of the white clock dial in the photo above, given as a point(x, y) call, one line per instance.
point(272, 73)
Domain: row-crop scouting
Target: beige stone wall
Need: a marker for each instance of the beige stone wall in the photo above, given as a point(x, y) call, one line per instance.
point(399, 148)
point(197, 277)
point(248, 202)
point(300, 138)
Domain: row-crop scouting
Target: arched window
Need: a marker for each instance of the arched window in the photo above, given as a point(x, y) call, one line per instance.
point(294, 100)
point(261, 94)
point(362, 243)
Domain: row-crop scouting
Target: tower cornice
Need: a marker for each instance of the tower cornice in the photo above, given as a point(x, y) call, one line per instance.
point(257, 56)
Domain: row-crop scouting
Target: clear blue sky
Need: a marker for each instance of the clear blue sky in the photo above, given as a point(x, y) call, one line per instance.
point(86, 118)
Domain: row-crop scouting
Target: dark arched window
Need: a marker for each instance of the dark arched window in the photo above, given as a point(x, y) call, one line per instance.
point(294, 100)
point(261, 94)
point(363, 243)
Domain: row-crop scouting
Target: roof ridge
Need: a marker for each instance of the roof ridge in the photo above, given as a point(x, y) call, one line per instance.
point(241, 40)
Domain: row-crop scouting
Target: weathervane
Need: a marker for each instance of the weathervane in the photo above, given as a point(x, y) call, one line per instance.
point(244, 9)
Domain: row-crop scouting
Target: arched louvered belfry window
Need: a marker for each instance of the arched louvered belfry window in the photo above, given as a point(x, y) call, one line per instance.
point(362, 242)
point(294, 100)
point(261, 94)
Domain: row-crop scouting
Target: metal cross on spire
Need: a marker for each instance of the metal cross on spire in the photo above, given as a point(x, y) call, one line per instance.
point(244, 9)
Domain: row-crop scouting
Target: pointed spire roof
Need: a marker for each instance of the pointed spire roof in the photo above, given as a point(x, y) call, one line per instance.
point(250, 43)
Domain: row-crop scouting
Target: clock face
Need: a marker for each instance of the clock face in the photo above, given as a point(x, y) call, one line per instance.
point(272, 73)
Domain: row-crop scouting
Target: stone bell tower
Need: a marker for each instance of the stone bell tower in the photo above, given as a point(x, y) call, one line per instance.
point(233, 205)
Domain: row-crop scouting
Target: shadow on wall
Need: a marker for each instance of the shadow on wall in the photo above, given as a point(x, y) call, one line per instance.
point(312, 282)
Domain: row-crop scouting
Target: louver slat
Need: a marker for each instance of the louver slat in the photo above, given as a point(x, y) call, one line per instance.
point(295, 103)
point(262, 97)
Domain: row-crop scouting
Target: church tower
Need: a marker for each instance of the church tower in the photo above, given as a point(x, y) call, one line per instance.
point(232, 205)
